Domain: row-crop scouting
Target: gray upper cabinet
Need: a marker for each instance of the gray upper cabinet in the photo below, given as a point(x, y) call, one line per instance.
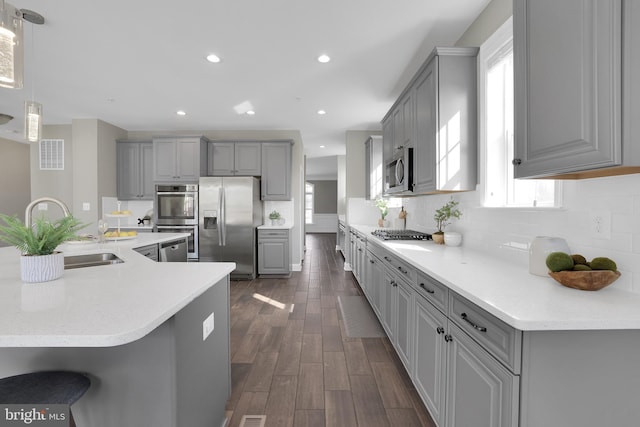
point(135, 170)
point(234, 158)
point(276, 170)
point(436, 115)
point(179, 159)
point(445, 147)
point(569, 108)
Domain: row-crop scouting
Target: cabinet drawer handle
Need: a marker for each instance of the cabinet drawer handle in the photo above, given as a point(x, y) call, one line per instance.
point(429, 291)
point(387, 259)
point(448, 338)
point(371, 261)
point(402, 270)
point(477, 327)
point(393, 283)
point(440, 330)
point(359, 249)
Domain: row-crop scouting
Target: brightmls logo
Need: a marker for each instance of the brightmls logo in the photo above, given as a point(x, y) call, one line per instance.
point(34, 415)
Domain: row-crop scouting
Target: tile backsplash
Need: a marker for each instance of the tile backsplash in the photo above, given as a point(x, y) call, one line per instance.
point(508, 232)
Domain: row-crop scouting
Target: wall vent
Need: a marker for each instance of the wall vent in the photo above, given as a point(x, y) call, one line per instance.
point(52, 154)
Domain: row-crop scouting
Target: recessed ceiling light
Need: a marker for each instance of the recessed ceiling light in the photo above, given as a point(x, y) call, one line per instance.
point(181, 113)
point(324, 58)
point(322, 112)
point(213, 58)
point(251, 112)
point(322, 146)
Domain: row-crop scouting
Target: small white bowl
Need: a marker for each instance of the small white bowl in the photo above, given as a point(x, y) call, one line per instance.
point(452, 238)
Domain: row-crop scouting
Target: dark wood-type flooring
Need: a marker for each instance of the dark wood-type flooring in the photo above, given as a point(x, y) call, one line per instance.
point(291, 360)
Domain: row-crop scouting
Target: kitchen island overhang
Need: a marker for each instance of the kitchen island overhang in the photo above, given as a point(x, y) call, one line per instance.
point(136, 328)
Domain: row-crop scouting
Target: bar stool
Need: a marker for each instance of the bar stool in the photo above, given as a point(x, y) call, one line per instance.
point(46, 387)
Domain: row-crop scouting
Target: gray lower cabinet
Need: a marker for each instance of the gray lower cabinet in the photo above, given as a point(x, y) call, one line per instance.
point(375, 278)
point(569, 103)
point(134, 165)
point(234, 158)
point(274, 255)
point(179, 159)
point(430, 354)
point(276, 170)
point(480, 390)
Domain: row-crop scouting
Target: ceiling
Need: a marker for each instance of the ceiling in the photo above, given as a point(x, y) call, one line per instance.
point(134, 64)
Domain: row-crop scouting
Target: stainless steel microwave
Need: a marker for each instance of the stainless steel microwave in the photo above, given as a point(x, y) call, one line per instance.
point(399, 173)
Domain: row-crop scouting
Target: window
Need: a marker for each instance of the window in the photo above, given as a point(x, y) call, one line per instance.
point(308, 203)
point(496, 95)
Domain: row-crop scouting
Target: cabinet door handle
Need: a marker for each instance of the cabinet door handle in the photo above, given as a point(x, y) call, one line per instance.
point(393, 283)
point(371, 261)
point(448, 338)
point(440, 330)
point(359, 249)
point(429, 291)
point(387, 258)
point(516, 162)
point(402, 270)
point(475, 326)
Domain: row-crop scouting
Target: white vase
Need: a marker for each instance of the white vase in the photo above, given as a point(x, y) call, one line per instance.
point(540, 248)
point(452, 238)
point(41, 268)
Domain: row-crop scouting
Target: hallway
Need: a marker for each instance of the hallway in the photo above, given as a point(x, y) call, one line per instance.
point(291, 360)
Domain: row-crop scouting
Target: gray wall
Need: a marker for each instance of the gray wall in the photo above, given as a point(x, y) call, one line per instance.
point(325, 196)
point(489, 20)
point(53, 183)
point(14, 177)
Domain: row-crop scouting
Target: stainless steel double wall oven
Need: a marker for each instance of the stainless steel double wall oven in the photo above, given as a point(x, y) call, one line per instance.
point(176, 211)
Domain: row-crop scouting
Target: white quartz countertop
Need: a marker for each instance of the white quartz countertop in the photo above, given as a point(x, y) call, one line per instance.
point(509, 292)
point(99, 306)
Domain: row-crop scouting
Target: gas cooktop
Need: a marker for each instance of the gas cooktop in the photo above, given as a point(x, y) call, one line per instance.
point(392, 234)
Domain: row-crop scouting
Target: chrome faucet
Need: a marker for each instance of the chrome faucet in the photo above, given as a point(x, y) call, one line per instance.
point(30, 206)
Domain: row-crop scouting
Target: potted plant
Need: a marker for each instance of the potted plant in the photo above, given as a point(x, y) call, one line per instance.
point(384, 210)
point(443, 216)
point(274, 216)
point(39, 261)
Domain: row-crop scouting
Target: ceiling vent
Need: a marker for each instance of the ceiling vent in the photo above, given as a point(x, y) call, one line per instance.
point(52, 154)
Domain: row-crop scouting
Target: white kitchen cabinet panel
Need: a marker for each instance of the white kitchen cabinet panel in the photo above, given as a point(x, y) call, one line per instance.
point(568, 88)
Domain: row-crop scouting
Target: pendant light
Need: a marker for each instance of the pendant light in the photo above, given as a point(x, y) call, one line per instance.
point(32, 109)
point(11, 50)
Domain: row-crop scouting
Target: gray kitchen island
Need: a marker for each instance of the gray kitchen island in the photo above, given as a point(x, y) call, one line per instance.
point(153, 337)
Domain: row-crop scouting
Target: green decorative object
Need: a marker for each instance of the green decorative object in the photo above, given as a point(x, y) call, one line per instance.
point(443, 218)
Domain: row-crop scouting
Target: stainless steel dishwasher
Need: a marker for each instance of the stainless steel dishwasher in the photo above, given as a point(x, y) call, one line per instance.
point(173, 251)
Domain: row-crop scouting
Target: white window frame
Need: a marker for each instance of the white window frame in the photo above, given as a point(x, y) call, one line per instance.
point(494, 44)
point(313, 196)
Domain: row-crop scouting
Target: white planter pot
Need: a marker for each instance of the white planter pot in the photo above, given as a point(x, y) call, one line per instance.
point(452, 238)
point(41, 268)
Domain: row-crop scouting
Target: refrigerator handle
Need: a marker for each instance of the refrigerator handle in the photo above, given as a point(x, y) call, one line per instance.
point(220, 221)
point(223, 217)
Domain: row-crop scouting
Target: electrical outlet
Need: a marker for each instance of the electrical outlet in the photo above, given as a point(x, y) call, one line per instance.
point(86, 206)
point(600, 225)
point(207, 326)
point(43, 206)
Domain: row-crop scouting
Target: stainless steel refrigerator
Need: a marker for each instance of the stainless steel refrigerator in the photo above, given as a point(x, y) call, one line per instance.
point(229, 211)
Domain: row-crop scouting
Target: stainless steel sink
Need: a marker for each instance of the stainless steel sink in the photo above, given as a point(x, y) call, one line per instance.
point(91, 260)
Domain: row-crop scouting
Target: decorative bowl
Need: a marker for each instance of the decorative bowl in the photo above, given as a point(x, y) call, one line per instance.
point(586, 280)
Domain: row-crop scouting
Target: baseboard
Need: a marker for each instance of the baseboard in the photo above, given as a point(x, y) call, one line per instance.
point(296, 267)
point(347, 267)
